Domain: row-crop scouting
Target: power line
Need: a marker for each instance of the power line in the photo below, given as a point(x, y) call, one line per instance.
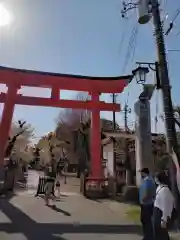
point(177, 14)
point(134, 46)
point(122, 38)
point(174, 50)
point(131, 46)
point(164, 6)
point(171, 25)
point(178, 33)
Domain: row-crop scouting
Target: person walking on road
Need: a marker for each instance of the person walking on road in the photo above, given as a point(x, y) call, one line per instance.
point(49, 191)
point(147, 192)
point(58, 188)
point(50, 185)
point(163, 208)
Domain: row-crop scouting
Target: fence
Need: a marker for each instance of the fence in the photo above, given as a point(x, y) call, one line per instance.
point(41, 186)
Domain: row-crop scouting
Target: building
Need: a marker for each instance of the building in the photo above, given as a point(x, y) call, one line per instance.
point(117, 168)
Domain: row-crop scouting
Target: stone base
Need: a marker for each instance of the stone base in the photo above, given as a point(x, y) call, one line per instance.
point(95, 188)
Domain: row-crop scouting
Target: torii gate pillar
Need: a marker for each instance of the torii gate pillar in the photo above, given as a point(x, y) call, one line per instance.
point(6, 120)
point(96, 162)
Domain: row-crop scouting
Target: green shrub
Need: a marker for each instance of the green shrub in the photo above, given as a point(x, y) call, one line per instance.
point(133, 214)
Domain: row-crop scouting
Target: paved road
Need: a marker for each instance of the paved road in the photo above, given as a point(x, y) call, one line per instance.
point(25, 217)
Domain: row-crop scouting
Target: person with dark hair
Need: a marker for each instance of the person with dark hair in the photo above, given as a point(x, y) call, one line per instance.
point(49, 191)
point(58, 188)
point(147, 192)
point(49, 186)
point(163, 207)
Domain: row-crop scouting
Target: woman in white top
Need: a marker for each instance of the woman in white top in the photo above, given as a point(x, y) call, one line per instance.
point(163, 207)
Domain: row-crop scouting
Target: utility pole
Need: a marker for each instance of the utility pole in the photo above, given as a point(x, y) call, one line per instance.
point(126, 111)
point(126, 147)
point(114, 113)
point(171, 137)
point(114, 96)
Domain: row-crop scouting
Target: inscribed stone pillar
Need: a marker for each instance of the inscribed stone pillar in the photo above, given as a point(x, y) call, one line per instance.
point(143, 143)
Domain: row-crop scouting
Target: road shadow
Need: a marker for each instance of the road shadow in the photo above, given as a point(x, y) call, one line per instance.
point(22, 223)
point(59, 200)
point(59, 210)
point(63, 195)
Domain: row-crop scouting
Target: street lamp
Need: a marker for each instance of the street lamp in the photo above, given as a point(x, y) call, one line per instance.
point(140, 74)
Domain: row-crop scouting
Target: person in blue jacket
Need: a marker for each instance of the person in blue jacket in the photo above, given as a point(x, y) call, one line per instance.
point(147, 193)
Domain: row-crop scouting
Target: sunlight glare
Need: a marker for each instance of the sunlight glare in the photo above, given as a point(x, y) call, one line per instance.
point(5, 17)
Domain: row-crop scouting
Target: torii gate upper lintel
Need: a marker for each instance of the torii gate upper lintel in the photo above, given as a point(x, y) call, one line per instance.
point(17, 78)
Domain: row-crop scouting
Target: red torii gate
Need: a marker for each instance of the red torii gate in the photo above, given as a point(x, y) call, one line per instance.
point(16, 78)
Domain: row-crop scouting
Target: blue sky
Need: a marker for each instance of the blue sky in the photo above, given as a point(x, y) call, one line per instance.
point(82, 37)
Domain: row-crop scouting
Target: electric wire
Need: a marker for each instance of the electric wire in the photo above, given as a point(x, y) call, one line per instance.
point(171, 25)
point(176, 14)
point(134, 46)
point(131, 47)
point(174, 50)
point(130, 53)
point(164, 6)
point(123, 35)
point(178, 33)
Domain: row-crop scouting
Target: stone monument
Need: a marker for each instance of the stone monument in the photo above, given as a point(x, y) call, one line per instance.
point(143, 144)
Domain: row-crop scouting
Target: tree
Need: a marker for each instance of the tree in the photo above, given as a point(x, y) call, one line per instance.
point(177, 115)
point(107, 125)
point(160, 155)
point(69, 122)
point(49, 150)
point(74, 126)
point(176, 119)
point(16, 151)
point(20, 136)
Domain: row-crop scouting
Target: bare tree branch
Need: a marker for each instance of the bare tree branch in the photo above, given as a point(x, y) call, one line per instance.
point(20, 136)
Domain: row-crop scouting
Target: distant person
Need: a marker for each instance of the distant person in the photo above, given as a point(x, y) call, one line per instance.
point(49, 191)
point(58, 168)
point(58, 188)
point(51, 176)
point(163, 208)
point(147, 192)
